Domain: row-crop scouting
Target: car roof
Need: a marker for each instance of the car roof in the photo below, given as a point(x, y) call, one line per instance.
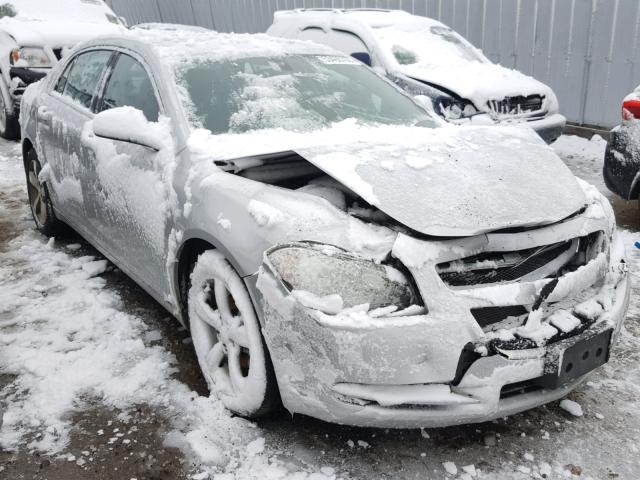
point(371, 17)
point(173, 47)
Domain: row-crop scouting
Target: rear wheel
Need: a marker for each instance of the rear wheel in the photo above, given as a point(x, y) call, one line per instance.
point(227, 338)
point(39, 200)
point(9, 126)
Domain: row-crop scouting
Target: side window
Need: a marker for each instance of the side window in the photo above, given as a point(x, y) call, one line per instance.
point(347, 42)
point(86, 70)
point(62, 81)
point(129, 85)
point(313, 34)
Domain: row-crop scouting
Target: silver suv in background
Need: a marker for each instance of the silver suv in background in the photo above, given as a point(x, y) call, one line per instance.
point(34, 35)
point(427, 58)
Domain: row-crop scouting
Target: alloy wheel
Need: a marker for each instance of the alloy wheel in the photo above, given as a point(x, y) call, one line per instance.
point(226, 335)
point(36, 194)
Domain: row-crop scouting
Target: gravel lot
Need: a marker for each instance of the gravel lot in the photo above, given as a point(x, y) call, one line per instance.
point(545, 442)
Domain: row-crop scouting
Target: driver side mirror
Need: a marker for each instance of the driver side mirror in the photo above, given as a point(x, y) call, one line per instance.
point(128, 124)
point(364, 57)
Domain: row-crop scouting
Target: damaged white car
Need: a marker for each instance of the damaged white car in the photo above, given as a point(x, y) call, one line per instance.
point(331, 246)
point(430, 60)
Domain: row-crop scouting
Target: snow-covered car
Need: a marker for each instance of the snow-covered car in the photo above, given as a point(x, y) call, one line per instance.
point(34, 36)
point(429, 59)
point(329, 242)
point(622, 157)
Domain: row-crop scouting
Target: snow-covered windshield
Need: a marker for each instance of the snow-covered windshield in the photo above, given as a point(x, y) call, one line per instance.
point(92, 11)
point(293, 92)
point(427, 44)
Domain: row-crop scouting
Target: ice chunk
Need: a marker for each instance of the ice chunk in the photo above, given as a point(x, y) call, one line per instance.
point(591, 309)
point(330, 304)
point(450, 468)
point(572, 407)
point(95, 268)
point(564, 321)
point(255, 447)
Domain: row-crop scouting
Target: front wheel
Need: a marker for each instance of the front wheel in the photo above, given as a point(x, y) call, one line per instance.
point(227, 339)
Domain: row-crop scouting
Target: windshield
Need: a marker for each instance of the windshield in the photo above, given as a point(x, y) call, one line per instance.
point(295, 92)
point(92, 11)
point(427, 44)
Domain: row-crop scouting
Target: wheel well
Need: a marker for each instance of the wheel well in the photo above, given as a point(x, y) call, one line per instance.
point(187, 258)
point(27, 146)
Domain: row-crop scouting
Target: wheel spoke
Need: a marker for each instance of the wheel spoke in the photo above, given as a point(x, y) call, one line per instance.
point(222, 302)
point(235, 372)
point(207, 314)
point(239, 335)
point(218, 372)
point(33, 180)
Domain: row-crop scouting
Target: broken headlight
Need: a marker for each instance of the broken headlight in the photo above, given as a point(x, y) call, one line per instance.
point(454, 109)
point(324, 270)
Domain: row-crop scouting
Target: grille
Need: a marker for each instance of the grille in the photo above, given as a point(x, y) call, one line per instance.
point(496, 267)
point(488, 316)
point(516, 105)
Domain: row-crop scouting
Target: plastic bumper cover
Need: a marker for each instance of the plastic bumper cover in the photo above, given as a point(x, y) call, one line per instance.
point(397, 373)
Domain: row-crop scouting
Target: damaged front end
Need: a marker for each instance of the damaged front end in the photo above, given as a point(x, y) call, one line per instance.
point(444, 331)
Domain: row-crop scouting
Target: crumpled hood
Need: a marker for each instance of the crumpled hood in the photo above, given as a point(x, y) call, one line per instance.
point(476, 81)
point(35, 33)
point(456, 181)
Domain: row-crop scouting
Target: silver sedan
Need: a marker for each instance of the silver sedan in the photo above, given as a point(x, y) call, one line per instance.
point(329, 243)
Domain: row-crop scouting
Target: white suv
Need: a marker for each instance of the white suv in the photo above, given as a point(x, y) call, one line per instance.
point(34, 35)
point(427, 58)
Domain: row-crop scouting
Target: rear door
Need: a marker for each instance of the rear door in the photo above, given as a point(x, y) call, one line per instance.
point(62, 114)
point(133, 181)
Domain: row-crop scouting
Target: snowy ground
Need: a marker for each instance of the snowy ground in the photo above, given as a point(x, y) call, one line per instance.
point(98, 382)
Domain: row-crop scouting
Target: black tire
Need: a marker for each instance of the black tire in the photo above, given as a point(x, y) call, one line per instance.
point(9, 125)
point(212, 279)
point(39, 199)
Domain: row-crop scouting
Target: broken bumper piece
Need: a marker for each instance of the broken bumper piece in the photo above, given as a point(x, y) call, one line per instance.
point(442, 367)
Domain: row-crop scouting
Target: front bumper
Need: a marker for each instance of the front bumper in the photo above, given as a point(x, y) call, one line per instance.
point(621, 169)
point(402, 372)
point(549, 128)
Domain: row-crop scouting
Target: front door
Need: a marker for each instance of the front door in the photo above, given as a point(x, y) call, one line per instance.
point(133, 192)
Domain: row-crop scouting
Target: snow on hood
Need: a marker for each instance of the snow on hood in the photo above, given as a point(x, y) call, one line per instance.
point(477, 81)
point(447, 181)
point(459, 182)
point(34, 33)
